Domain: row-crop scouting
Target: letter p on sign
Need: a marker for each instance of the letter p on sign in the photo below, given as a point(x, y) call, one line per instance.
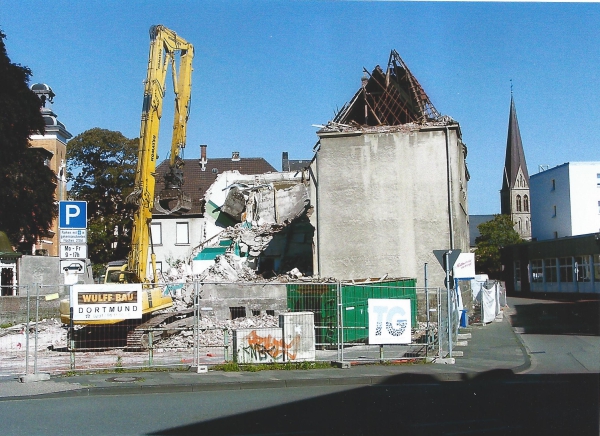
point(72, 214)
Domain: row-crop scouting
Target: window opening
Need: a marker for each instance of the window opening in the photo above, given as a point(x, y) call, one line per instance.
point(566, 269)
point(550, 272)
point(237, 312)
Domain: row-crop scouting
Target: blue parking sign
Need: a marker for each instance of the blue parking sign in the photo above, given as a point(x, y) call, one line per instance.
point(72, 214)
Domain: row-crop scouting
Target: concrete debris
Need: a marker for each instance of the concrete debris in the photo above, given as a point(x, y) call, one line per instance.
point(212, 331)
point(332, 127)
point(50, 334)
point(228, 268)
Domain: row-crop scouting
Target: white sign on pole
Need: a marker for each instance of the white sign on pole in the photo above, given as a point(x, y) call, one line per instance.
point(389, 321)
point(464, 267)
point(73, 251)
point(73, 236)
point(107, 302)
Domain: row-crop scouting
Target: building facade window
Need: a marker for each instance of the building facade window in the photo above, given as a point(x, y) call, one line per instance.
point(537, 271)
point(518, 203)
point(566, 269)
point(156, 233)
point(582, 268)
point(550, 271)
point(554, 211)
point(526, 203)
point(182, 235)
point(598, 180)
point(553, 185)
point(158, 266)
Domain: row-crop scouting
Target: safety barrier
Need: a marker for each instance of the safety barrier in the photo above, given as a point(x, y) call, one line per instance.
point(255, 322)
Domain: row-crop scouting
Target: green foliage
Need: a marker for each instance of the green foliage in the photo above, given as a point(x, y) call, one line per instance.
point(101, 166)
point(26, 184)
point(495, 234)
point(287, 366)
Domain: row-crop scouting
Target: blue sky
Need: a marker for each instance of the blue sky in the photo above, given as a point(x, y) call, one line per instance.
point(266, 71)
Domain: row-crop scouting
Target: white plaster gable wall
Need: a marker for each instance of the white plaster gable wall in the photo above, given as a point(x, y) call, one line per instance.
point(382, 203)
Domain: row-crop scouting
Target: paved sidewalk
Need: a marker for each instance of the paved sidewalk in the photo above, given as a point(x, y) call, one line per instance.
point(493, 347)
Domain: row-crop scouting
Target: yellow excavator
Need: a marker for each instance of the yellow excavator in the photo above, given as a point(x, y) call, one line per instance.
point(165, 44)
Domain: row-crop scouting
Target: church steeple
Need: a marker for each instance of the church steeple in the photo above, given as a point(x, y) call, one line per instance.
point(514, 196)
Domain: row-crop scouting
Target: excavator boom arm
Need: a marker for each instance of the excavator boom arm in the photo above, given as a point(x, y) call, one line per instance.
point(164, 46)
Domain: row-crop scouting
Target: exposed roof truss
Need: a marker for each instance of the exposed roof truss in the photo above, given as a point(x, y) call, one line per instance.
point(393, 97)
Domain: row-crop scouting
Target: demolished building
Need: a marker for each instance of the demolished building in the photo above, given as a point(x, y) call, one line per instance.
point(271, 213)
point(389, 182)
point(241, 207)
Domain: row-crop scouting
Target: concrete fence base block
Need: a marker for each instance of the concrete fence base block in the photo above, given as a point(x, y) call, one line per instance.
point(200, 369)
point(457, 353)
point(462, 343)
point(462, 336)
point(341, 364)
point(445, 360)
point(40, 376)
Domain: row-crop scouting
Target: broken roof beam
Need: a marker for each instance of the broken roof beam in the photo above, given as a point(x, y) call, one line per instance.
point(391, 98)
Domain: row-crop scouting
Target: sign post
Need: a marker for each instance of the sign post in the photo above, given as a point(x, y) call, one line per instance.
point(447, 259)
point(72, 225)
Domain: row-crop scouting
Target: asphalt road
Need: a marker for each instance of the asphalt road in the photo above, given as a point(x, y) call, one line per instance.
point(561, 336)
point(498, 403)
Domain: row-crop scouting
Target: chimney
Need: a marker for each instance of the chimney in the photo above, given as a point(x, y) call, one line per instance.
point(235, 156)
point(203, 159)
point(284, 161)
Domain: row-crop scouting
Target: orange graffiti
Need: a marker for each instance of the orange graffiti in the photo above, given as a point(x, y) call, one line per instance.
point(262, 347)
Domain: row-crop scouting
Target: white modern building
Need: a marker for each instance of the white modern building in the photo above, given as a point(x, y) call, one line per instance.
point(565, 200)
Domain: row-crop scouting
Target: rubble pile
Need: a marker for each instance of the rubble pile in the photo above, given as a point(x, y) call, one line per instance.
point(50, 332)
point(253, 239)
point(228, 268)
point(211, 330)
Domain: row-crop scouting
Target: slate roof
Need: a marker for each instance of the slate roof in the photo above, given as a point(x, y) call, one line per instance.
point(474, 221)
point(196, 181)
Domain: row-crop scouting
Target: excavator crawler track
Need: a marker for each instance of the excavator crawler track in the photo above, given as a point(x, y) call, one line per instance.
point(137, 338)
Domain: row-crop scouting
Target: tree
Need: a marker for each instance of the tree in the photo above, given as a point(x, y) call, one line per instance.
point(101, 165)
point(495, 234)
point(27, 185)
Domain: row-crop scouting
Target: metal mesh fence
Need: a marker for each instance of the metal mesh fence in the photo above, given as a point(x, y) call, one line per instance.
point(211, 323)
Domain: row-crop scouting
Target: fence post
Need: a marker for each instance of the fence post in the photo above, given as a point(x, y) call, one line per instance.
point(449, 314)
point(439, 318)
point(71, 329)
point(427, 311)
point(341, 299)
point(150, 348)
point(37, 319)
point(27, 335)
point(226, 345)
point(196, 325)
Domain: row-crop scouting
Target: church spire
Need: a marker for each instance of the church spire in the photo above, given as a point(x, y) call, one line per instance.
point(514, 196)
point(515, 156)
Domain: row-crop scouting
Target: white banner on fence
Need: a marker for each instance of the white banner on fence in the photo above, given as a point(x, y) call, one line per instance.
point(389, 321)
point(106, 302)
point(489, 303)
